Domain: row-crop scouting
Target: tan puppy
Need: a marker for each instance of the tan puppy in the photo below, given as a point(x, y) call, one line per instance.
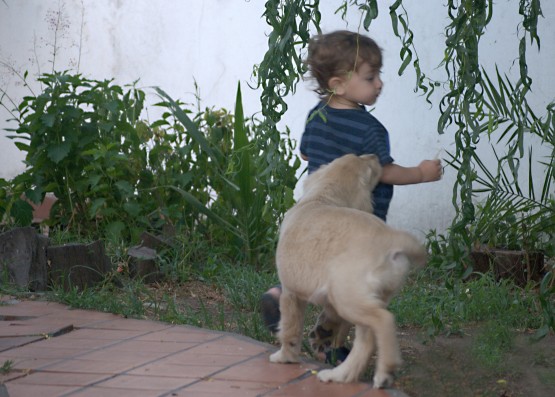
point(334, 253)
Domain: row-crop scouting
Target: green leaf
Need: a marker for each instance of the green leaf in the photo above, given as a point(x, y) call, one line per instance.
point(58, 152)
point(191, 127)
point(546, 287)
point(371, 13)
point(197, 205)
point(35, 195)
point(541, 332)
point(114, 230)
point(95, 206)
point(22, 212)
point(132, 208)
point(48, 119)
point(406, 61)
point(22, 146)
point(125, 188)
point(241, 142)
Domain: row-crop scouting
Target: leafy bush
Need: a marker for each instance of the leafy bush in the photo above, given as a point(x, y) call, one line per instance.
point(212, 173)
point(84, 143)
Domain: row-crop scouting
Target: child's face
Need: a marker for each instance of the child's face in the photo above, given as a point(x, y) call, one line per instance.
point(361, 87)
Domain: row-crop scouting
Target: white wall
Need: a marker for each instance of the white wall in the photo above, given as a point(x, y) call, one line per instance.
point(173, 43)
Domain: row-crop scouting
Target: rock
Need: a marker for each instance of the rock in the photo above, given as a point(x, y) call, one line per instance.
point(158, 243)
point(142, 264)
point(518, 265)
point(77, 265)
point(142, 258)
point(23, 258)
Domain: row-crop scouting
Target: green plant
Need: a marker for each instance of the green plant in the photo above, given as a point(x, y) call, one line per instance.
point(251, 180)
point(211, 174)
point(511, 214)
point(493, 341)
point(6, 367)
point(446, 307)
point(512, 229)
point(547, 291)
point(118, 295)
point(83, 143)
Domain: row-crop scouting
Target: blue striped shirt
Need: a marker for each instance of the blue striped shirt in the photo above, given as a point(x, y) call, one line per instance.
point(331, 133)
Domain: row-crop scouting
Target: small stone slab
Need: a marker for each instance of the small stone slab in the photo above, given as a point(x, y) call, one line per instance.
point(142, 264)
point(23, 255)
point(157, 243)
point(77, 265)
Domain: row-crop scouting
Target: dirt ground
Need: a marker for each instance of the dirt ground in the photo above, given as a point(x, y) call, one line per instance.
point(447, 366)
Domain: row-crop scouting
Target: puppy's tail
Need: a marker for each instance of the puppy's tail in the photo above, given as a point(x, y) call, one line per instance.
point(409, 250)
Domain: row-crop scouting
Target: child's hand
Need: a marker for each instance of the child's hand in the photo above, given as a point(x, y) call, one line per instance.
point(431, 170)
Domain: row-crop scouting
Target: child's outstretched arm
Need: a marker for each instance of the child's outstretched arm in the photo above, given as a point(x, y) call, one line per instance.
point(426, 171)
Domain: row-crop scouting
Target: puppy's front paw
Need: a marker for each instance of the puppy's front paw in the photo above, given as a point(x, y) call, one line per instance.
point(336, 375)
point(326, 375)
point(383, 380)
point(282, 356)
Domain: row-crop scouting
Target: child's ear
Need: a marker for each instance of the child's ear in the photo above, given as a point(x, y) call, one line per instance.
point(336, 85)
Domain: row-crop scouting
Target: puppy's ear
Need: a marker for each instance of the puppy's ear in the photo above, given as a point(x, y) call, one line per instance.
point(373, 168)
point(368, 156)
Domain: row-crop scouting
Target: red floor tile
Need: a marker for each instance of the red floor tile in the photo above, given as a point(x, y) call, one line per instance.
point(103, 334)
point(151, 346)
point(108, 392)
point(26, 364)
point(88, 366)
point(101, 354)
point(265, 372)
point(230, 346)
point(180, 334)
point(174, 370)
point(227, 388)
point(134, 382)
point(11, 342)
point(59, 379)
point(129, 325)
point(20, 390)
point(193, 357)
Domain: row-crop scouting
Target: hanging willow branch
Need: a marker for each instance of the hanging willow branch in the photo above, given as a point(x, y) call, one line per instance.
point(282, 66)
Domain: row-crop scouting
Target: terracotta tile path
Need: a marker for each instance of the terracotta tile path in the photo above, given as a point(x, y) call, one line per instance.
point(58, 351)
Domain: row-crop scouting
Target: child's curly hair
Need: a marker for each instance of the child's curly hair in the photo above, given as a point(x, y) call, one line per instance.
point(338, 54)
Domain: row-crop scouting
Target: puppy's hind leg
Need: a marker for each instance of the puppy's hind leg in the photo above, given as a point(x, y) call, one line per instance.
point(371, 320)
point(330, 332)
point(382, 323)
point(290, 328)
point(357, 360)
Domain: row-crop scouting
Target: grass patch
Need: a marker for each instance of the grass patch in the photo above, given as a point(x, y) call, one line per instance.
point(493, 341)
point(427, 302)
point(6, 367)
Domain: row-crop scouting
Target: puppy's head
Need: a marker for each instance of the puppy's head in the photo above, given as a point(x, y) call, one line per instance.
point(347, 181)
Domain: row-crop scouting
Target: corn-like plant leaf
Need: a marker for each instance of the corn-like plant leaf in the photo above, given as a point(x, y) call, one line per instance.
point(190, 126)
point(241, 144)
point(198, 206)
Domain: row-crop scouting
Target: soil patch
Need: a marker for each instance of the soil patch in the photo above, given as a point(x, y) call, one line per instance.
point(450, 366)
